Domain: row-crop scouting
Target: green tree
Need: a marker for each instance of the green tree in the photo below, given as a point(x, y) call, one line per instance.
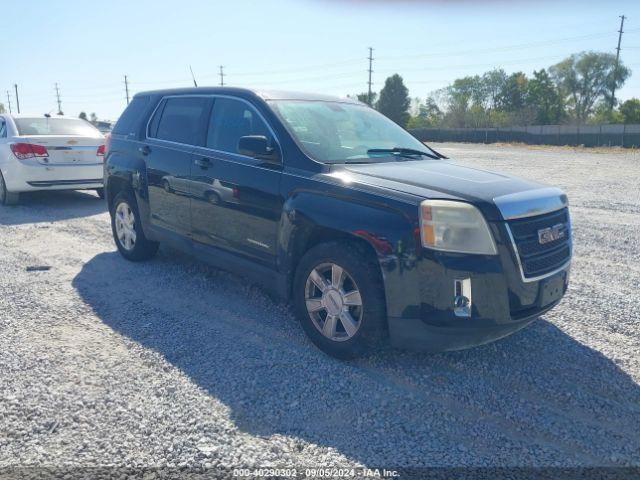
point(83, 116)
point(463, 94)
point(544, 98)
point(364, 97)
point(492, 84)
point(512, 97)
point(428, 115)
point(585, 78)
point(602, 113)
point(394, 100)
point(630, 111)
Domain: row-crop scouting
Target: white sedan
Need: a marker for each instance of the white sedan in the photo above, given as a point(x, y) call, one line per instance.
point(48, 153)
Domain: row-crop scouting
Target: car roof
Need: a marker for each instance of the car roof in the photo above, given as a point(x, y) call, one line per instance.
point(264, 94)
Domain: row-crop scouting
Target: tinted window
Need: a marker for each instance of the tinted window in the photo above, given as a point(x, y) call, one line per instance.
point(230, 120)
point(128, 124)
point(183, 120)
point(3, 129)
point(155, 121)
point(56, 126)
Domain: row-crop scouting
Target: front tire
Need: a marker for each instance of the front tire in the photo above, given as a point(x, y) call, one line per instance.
point(6, 197)
point(127, 230)
point(339, 298)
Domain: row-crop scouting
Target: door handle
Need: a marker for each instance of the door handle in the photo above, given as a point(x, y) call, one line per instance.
point(144, 150)
point(203, 163)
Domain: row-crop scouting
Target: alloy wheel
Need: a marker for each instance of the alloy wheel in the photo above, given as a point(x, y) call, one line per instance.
point(333, 302)
point(125, 221)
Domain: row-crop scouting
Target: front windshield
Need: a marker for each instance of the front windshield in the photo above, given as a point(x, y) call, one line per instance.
point(335, 132)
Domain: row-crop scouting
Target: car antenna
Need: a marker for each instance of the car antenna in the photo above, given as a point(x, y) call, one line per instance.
point(195, 84)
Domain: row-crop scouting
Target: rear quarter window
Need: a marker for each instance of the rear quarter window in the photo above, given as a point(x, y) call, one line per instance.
point(181, 120)
point(129, 122)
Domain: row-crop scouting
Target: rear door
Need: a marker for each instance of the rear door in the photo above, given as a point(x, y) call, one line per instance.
point(176, 128)
point(236, 202)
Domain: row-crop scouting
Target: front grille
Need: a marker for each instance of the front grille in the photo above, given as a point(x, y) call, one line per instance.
point(541, 258)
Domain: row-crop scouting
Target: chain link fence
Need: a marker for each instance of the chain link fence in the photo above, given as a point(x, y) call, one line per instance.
point(627, 136)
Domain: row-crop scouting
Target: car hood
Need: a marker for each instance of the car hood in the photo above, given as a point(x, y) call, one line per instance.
point(441, 179)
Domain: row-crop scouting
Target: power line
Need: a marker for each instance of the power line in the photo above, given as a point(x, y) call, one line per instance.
point(323, 67)
point(370, 72)
point(540, 43)
point(615, 71)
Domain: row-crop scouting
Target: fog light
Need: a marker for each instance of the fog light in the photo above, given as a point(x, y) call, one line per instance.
point(462, 297)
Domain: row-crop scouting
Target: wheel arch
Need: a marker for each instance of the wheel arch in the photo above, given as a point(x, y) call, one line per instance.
point(380, 230)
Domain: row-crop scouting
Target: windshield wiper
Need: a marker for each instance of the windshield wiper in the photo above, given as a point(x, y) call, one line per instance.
point(403, 152)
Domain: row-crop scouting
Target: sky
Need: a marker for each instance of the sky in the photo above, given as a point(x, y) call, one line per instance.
point(87, 47)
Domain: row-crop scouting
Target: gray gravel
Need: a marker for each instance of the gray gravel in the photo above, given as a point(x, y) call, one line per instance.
point(173, 363)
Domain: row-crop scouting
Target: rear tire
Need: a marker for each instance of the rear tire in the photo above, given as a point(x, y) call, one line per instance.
point(352, 301)
point(100, 192)
point(127, 230)
point(6, 197)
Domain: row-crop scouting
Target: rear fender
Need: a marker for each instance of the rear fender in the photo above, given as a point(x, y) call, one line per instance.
point(126, 171)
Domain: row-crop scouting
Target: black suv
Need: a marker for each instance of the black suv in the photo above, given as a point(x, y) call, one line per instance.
point(326, 202)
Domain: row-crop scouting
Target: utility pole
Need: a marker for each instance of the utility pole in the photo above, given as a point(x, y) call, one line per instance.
point(58, 98)
point(615, 72)
point(370, 72)
point(221, 76)
point(9, 101)
point(15, 85)
point(126, 88)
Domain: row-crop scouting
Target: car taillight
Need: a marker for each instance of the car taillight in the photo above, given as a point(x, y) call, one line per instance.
point(100, 151)
point(22, 151)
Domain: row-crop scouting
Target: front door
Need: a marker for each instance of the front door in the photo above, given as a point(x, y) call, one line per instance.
point(176, 129)
point(236, 202)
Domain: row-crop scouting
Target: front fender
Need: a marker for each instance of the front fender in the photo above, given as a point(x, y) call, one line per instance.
point(388, 226)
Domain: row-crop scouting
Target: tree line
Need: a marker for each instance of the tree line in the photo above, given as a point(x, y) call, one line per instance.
point(578, 90)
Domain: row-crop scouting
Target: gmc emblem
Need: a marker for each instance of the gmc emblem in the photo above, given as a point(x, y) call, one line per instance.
point(551, 234)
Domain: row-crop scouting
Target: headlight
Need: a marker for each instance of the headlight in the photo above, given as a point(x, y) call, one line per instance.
point(455, 227)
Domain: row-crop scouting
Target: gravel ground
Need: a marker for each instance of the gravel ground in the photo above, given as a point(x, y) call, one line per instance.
point(173, 363)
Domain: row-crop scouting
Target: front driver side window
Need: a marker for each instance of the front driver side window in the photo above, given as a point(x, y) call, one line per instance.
point(230, 120)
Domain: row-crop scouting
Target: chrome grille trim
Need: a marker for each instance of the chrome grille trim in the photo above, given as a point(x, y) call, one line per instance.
point(516, 253)
point(531, 203)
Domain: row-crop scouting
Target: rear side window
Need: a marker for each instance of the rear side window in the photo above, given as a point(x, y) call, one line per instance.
point(230, 120)
point(181, 120)
point(56, 126)
point(128, 124)
point(3, 128)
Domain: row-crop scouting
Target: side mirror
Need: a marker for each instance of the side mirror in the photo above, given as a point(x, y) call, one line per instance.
point(258, 146)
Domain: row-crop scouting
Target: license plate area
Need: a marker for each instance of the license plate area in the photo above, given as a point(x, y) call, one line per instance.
point(552, 289)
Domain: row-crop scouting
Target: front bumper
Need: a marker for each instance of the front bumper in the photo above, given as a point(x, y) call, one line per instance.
point(415, 334)
point(29, 175)
point(421, 297)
